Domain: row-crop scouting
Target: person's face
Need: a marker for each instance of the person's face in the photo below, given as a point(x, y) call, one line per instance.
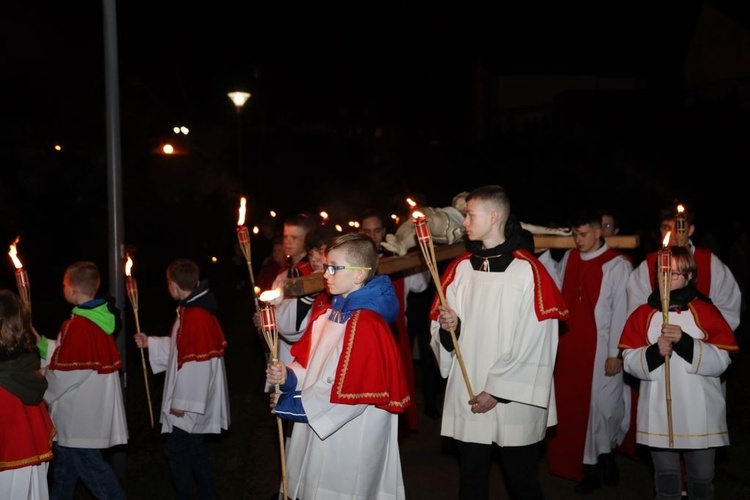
point(316, 256)
point(679, 280)
point(586, 238)
point(667, 226)
point(478, 219)
point(372, 227)
point(294, 241)
point(608, 226)
point(277, 253)
point(343, 281)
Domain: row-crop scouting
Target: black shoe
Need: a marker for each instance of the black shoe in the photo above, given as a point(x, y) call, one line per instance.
point(610, 473)
point(591, 480)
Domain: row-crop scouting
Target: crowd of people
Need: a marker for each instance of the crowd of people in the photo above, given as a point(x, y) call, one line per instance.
point(523, 352)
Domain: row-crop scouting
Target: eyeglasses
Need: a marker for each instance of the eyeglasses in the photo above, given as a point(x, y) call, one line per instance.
point(331, 269)
point(676, 275)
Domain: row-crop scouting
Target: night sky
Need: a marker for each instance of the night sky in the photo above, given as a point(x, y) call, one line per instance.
point(351, 107)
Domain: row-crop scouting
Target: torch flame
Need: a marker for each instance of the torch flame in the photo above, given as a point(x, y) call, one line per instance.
point(417, 214)
point(128, 266)
point(269, 295)
point(243, 203)
point(667, 237)
point(411, 202)
point(14, 254)
point(680, 209)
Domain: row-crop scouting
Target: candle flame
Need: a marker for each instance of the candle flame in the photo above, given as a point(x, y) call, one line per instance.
point(128, 266)
point(680, 209)
point(667, 237)
point(243, 203)
point(14, 254)
point(411, 202)
point(269, 295)
point(417, 214)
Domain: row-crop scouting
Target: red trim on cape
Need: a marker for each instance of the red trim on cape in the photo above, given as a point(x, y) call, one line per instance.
point(404, 345)
point(548, 302)
point(82, 345)
point(370, 370)
point(199, 336)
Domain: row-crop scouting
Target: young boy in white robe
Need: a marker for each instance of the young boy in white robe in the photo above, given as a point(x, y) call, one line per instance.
point(346, 384)
point(196, 397)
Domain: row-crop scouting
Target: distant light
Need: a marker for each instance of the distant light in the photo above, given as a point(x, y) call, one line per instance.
point(239, 98)
point(58, 147)
point(339, 228)
point(176, 130)
point(214, 260)
point(181, 130)
point(167, 149)
point(273, 213)
point(256, 230)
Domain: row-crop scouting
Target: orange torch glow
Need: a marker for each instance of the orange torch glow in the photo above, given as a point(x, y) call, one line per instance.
point(243, 236)
point(22, 277)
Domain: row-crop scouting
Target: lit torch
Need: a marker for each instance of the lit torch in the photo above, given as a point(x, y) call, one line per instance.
point(424, 238)
point(271, 334)
point(22, 277)
point(132, 288)
point(681, 227)
point(243, 236)
point(665, 280)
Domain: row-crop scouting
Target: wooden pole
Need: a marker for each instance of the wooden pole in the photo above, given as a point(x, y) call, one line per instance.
point(132, 288)
point(665, 281)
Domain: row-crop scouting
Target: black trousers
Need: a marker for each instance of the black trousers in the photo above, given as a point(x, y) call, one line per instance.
point(520, 466)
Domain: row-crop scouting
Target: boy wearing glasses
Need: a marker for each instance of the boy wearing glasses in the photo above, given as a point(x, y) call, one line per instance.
point(345, 386)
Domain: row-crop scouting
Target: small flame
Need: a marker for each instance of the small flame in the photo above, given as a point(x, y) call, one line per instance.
point(257, 291)
point(411, 202)
point(417, 214)
point(243, 203)
point(666, 239)
point(269, 295)
point(128, 266)
point(680, 209)
point(324, 215)
point(14, 254)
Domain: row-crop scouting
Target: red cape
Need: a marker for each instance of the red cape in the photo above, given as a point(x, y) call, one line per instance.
point(199, 337)
point(82, 345)
point(370, 370)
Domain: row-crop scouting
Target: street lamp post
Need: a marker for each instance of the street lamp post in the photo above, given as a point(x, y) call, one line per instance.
point(239, 99)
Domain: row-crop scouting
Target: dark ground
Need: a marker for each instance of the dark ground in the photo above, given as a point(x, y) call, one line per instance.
point(246, 458)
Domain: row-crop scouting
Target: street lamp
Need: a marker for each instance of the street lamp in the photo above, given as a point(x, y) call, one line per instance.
point(239, 99)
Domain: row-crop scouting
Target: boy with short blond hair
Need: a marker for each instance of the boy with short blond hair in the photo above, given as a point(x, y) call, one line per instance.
point(346, 384)
point(84, 393)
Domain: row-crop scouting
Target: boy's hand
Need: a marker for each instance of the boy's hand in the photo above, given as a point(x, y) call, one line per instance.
point(276, 373)
point(176, 412)
point(141, 340)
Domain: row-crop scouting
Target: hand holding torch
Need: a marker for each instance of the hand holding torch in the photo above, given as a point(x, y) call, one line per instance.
point(665, 281)
point(424, 237)
point(271, 334)
point(132, 288)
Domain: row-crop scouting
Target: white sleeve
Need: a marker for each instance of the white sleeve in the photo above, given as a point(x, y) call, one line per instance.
point(725, 292)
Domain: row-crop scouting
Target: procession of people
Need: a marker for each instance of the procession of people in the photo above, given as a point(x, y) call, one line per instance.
point(527, 353)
